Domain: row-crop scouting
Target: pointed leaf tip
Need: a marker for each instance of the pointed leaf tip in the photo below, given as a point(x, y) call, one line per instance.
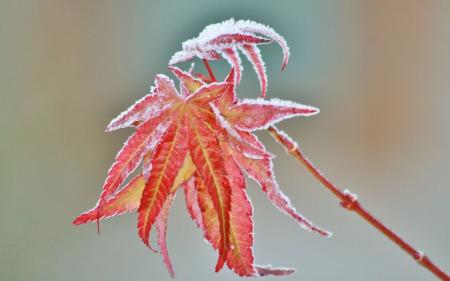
point(126, 200)
point(220, 263)
point(266, 270)
point(230, 76)
point(161, 228)
point(190, 82)
point(258, 114)
point(233, 58)
point(254, 56)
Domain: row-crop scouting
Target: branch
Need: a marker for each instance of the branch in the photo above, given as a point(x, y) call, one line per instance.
point(350, 202)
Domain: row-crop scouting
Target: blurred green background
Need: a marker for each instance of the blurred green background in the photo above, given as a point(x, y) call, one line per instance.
point(378, 70)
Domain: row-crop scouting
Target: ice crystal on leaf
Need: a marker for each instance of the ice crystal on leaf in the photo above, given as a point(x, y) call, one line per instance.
point(200, 139)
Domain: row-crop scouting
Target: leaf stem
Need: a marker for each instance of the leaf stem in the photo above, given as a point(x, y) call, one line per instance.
point(350, 202)
point(210, 72)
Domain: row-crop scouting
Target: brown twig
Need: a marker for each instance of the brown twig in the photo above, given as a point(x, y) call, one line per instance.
point(350, 202)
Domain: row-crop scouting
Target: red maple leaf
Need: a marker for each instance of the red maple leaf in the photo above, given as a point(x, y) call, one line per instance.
point(200, 139)
point(225, 38)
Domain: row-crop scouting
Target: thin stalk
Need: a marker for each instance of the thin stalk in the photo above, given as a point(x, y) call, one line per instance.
point(349, 201)
point(210, 72)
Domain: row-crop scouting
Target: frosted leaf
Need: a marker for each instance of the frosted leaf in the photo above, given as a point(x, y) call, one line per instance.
point(160, 98)
point(254, 27)
point(261, 170)
point(254, 56)
point(165, 85)
point(221, 39)
point(257, 114)
point(188, 83)
point(145, 108)
point(279, 102)
point(233, 58)
point(227, 34)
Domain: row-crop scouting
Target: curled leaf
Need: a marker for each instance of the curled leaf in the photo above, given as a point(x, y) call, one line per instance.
point(222, 39)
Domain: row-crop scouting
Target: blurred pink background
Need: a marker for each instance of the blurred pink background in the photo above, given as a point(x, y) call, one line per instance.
point(378, 70)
